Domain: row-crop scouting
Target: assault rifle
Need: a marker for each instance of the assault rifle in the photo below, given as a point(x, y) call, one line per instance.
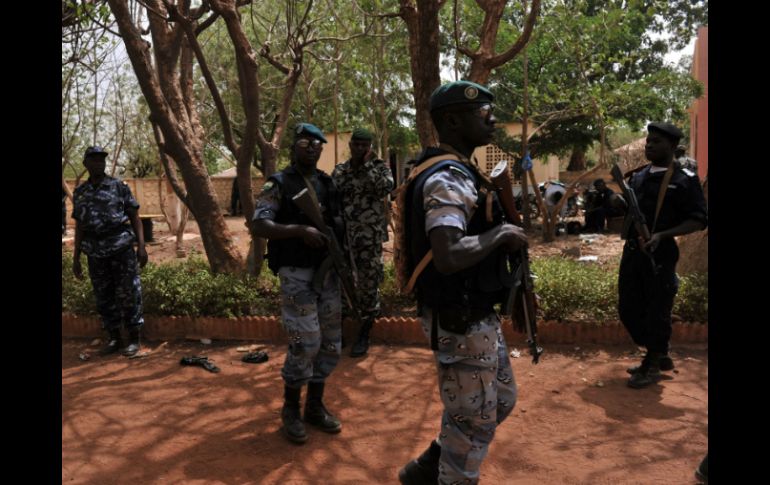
point(520, 302)
point(634, 211)
point(304, 201)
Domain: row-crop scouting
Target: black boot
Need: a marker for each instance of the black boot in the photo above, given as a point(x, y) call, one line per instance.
point(315, 411)
point(114, 342)
point(133, 342)
point(424, 469)
point(702, 472)
point(361, 347)
point(293, 427)
point(666, 364)
point(649, 371)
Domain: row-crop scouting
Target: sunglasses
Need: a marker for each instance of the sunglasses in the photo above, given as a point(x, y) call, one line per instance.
point(305, 143)
point(484, 111)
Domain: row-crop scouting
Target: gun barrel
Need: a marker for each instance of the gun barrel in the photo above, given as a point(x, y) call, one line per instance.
point(502, 181)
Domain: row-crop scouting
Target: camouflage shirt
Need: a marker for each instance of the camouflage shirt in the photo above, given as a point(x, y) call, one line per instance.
point(101, 212)
point(363, 191)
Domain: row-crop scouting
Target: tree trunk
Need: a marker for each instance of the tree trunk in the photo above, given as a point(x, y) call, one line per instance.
point(164, 92)
point(421, 18)
point(577, 160)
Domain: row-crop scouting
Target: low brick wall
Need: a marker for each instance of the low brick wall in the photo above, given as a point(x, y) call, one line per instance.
point(390, 330)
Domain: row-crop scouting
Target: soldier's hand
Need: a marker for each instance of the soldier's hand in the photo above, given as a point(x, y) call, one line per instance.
point(313, 237)
point(141, 255)
point(513, 236)
point(653, 243)
point(77, 269)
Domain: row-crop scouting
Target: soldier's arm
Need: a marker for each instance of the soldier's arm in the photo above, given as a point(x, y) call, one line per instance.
point(454, 251)
point(263, 221)
point(448, 197)
point(383, 180)
point(77, 269)
point(136, 223)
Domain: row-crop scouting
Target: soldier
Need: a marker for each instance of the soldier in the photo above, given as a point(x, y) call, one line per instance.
point(671, 200)
point(458, 289)
point(364, 182)
point(311, 313)
point(102, 208)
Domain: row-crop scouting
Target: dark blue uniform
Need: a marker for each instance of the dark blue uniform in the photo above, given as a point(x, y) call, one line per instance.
point(108, 241)
point(646, 298)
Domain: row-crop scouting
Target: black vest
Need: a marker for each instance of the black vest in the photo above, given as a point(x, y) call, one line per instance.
point(293, 251)
point(473, 291)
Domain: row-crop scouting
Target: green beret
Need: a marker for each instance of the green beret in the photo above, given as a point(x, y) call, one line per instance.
point(459, 92)
point(667, 129)
point(306, 129)
point(362, 134)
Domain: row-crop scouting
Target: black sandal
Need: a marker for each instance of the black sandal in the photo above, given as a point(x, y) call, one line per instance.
point(200, 360)
point(255, 357)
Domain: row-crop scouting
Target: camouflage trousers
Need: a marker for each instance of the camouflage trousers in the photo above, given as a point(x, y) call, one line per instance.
point(370, 273)
point(478, 391)
point(313, 324)
point(117, 288)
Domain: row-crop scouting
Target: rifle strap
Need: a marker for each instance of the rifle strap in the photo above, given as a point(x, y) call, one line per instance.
point(662, 195)
point(429, 255)
point(310, 190)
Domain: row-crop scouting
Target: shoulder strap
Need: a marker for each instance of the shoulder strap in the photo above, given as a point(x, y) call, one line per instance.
point(429, 255)
point(662, 194)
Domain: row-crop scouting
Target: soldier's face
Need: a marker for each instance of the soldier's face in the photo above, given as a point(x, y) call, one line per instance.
point(95, 164)
point(479, 124)
point(658, 149)
point(359, 148)
point(307, 150)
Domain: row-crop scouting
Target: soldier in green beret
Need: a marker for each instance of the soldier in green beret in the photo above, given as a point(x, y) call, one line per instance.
point(364, 181)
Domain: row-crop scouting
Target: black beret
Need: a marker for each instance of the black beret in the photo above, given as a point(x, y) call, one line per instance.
point(362, 134)
point(95, 150)
point(459, 92)
point(667, 129)
point(307, 129)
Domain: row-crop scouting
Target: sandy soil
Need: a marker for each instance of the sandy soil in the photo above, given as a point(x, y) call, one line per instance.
point(151, 420)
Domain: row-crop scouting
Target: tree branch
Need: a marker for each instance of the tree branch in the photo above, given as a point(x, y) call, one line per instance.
point(522, 40)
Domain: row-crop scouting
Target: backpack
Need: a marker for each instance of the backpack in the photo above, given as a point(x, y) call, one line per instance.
point(406, 271)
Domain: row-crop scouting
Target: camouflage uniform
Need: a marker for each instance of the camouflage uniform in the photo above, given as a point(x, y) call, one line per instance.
point(101, 212)
point(475, 378)
point(311, 319)
point(363, 191)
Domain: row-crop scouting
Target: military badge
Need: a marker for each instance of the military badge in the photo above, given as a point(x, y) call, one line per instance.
point(471, 92)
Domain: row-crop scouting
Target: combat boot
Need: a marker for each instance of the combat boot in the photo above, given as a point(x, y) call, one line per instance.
point(648, 373)
point(133, 342)
point(666, 364)
point(293, 427)
point(702, 472)
point(315, 411)
point(114, 342)
point(361, 347)
point(423, 470)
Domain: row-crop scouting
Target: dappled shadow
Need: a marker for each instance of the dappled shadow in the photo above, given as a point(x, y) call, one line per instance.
point(151, 420)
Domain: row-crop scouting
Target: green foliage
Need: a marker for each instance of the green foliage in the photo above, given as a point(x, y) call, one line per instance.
point(692, 300)
point(568, 290)
point(185, 288)
point(573, 290)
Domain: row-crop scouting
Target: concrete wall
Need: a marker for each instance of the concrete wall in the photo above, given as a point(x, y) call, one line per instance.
point(699, 111)
point(147, 193)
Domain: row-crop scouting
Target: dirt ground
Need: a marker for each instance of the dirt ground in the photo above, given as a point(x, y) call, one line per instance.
point(150, 420)
point(604, 246)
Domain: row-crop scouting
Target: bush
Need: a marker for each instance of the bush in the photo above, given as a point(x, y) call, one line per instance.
point(575, 290)
point(568, 290)
point(184, 288)
point(692, 300)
